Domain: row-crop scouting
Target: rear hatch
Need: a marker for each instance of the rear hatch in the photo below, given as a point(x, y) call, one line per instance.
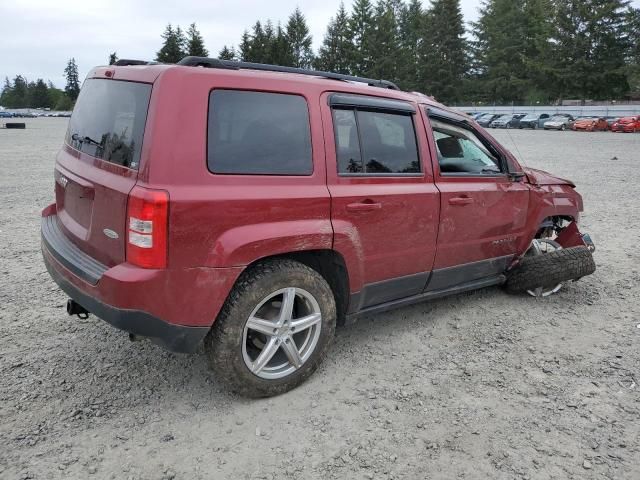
point(98, 166)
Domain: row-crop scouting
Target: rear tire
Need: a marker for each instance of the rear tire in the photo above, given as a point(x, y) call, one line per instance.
point(550, 269)
point(234, 344)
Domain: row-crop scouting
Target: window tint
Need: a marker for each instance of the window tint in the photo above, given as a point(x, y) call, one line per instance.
point(376, 142)
point(388, 143)
point(108, 120)
point(461, 151)
point(347, 144)
point(258, 133)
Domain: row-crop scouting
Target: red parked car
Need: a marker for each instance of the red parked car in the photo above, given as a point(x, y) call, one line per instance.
point(591, 124)
point(254, 208)
point(627, 125)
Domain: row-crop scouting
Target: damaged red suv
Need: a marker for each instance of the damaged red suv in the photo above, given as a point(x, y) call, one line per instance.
point(253, 208)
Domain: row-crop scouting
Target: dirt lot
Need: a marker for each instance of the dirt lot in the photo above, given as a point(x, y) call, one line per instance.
point(481, 385)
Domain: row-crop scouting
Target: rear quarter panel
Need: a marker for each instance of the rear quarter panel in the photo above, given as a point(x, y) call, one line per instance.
point(230, 220)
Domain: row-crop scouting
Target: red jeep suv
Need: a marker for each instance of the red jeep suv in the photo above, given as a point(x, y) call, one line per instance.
point(252, 208)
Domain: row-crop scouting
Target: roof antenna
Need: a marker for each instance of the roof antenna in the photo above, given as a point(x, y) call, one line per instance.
point(520, 156)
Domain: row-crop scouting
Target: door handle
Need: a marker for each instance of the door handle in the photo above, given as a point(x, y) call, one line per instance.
point(460, 201)
point(366, 206)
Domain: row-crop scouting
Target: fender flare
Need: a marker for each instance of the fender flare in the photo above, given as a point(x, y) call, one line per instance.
point(245, 244)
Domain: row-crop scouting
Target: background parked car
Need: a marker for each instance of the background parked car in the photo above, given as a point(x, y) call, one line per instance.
point(627, 125)
point(486, 120)
point(611, 121)
point(4, 114)
point(559, 122)
point(508, 121)
point(534, 120)
point(591, 124)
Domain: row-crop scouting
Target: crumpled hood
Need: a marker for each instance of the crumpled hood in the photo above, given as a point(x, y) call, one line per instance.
point(540, 177)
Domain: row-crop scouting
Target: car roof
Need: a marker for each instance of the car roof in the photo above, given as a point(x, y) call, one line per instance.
point(151, 73)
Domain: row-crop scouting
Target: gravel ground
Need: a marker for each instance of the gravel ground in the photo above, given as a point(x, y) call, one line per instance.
point(481, 385)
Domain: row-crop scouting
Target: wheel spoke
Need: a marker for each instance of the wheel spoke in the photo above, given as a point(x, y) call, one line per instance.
point(286, 310)
point(291, 351)
point(301, 324)
point(260, 325)
point(267, 354)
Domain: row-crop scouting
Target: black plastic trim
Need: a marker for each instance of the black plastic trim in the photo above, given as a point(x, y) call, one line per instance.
point(388, 290)
point(176, 338)
point(465, 287)
point(374, 103)
point(68, 254)
point(460, 274)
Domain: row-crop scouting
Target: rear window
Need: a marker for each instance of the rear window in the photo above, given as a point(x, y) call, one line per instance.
point(258, 133)
point(108, 120)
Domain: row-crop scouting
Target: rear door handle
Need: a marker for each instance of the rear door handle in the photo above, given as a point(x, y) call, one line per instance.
point(460, 201)
point(366, 206)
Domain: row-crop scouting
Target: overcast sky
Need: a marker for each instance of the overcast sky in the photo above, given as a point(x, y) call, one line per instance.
point(39, 36)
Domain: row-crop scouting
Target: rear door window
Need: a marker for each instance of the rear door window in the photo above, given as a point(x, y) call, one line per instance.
point(258, 133)
point(375, 142)
point(108, 120)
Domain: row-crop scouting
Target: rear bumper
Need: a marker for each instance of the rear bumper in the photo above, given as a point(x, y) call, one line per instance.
point(173, 307)
point(176, 338)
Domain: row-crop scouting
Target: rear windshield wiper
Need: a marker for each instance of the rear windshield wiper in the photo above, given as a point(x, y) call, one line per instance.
point(77, 138)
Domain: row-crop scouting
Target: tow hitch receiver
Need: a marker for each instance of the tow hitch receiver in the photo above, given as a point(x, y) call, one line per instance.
point(74, 308)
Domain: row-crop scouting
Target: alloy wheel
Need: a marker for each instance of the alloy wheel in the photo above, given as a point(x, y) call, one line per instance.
point(281, 333)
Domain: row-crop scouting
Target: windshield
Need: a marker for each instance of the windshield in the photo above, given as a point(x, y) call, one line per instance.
point(626, 120)
point(531, 117)
point(558, 119)
point(506, 117)
point(108, 120)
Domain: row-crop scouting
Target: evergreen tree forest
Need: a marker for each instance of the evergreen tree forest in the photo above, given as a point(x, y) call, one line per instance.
point(517, 51)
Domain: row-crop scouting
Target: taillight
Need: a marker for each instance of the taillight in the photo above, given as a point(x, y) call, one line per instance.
point(147, 227)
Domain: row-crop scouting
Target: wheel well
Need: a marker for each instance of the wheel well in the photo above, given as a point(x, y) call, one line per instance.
point(554, 223)
point(333, 269)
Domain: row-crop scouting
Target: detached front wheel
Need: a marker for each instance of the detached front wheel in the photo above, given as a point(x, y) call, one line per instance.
point(541, 247)
point(273, 330)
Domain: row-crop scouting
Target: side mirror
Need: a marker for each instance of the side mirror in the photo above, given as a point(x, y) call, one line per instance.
point(516, 176)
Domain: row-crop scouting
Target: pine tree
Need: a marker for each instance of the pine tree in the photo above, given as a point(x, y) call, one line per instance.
point(195, 43)
point(443, 51)
point(244, 50)
point(39, 95)
point(361, 25)
point(173, 47)
point(333, 55)
point(299, 40)
point(410, 22)
point(280, 49)
point(591, 45)
point(384, 42)
point(72, 89)
point(633, 56)
point(113, 58)
point(257, 44)
point(227, 53)
point(538, 49)
point(499, 50)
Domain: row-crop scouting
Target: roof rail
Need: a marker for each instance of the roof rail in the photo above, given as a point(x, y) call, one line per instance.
point(124, 62)
point(233, 65)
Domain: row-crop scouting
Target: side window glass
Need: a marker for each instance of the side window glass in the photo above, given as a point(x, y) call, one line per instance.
point(258, 133)
point(347, 143)
point(388, 143)
point(461, 151)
